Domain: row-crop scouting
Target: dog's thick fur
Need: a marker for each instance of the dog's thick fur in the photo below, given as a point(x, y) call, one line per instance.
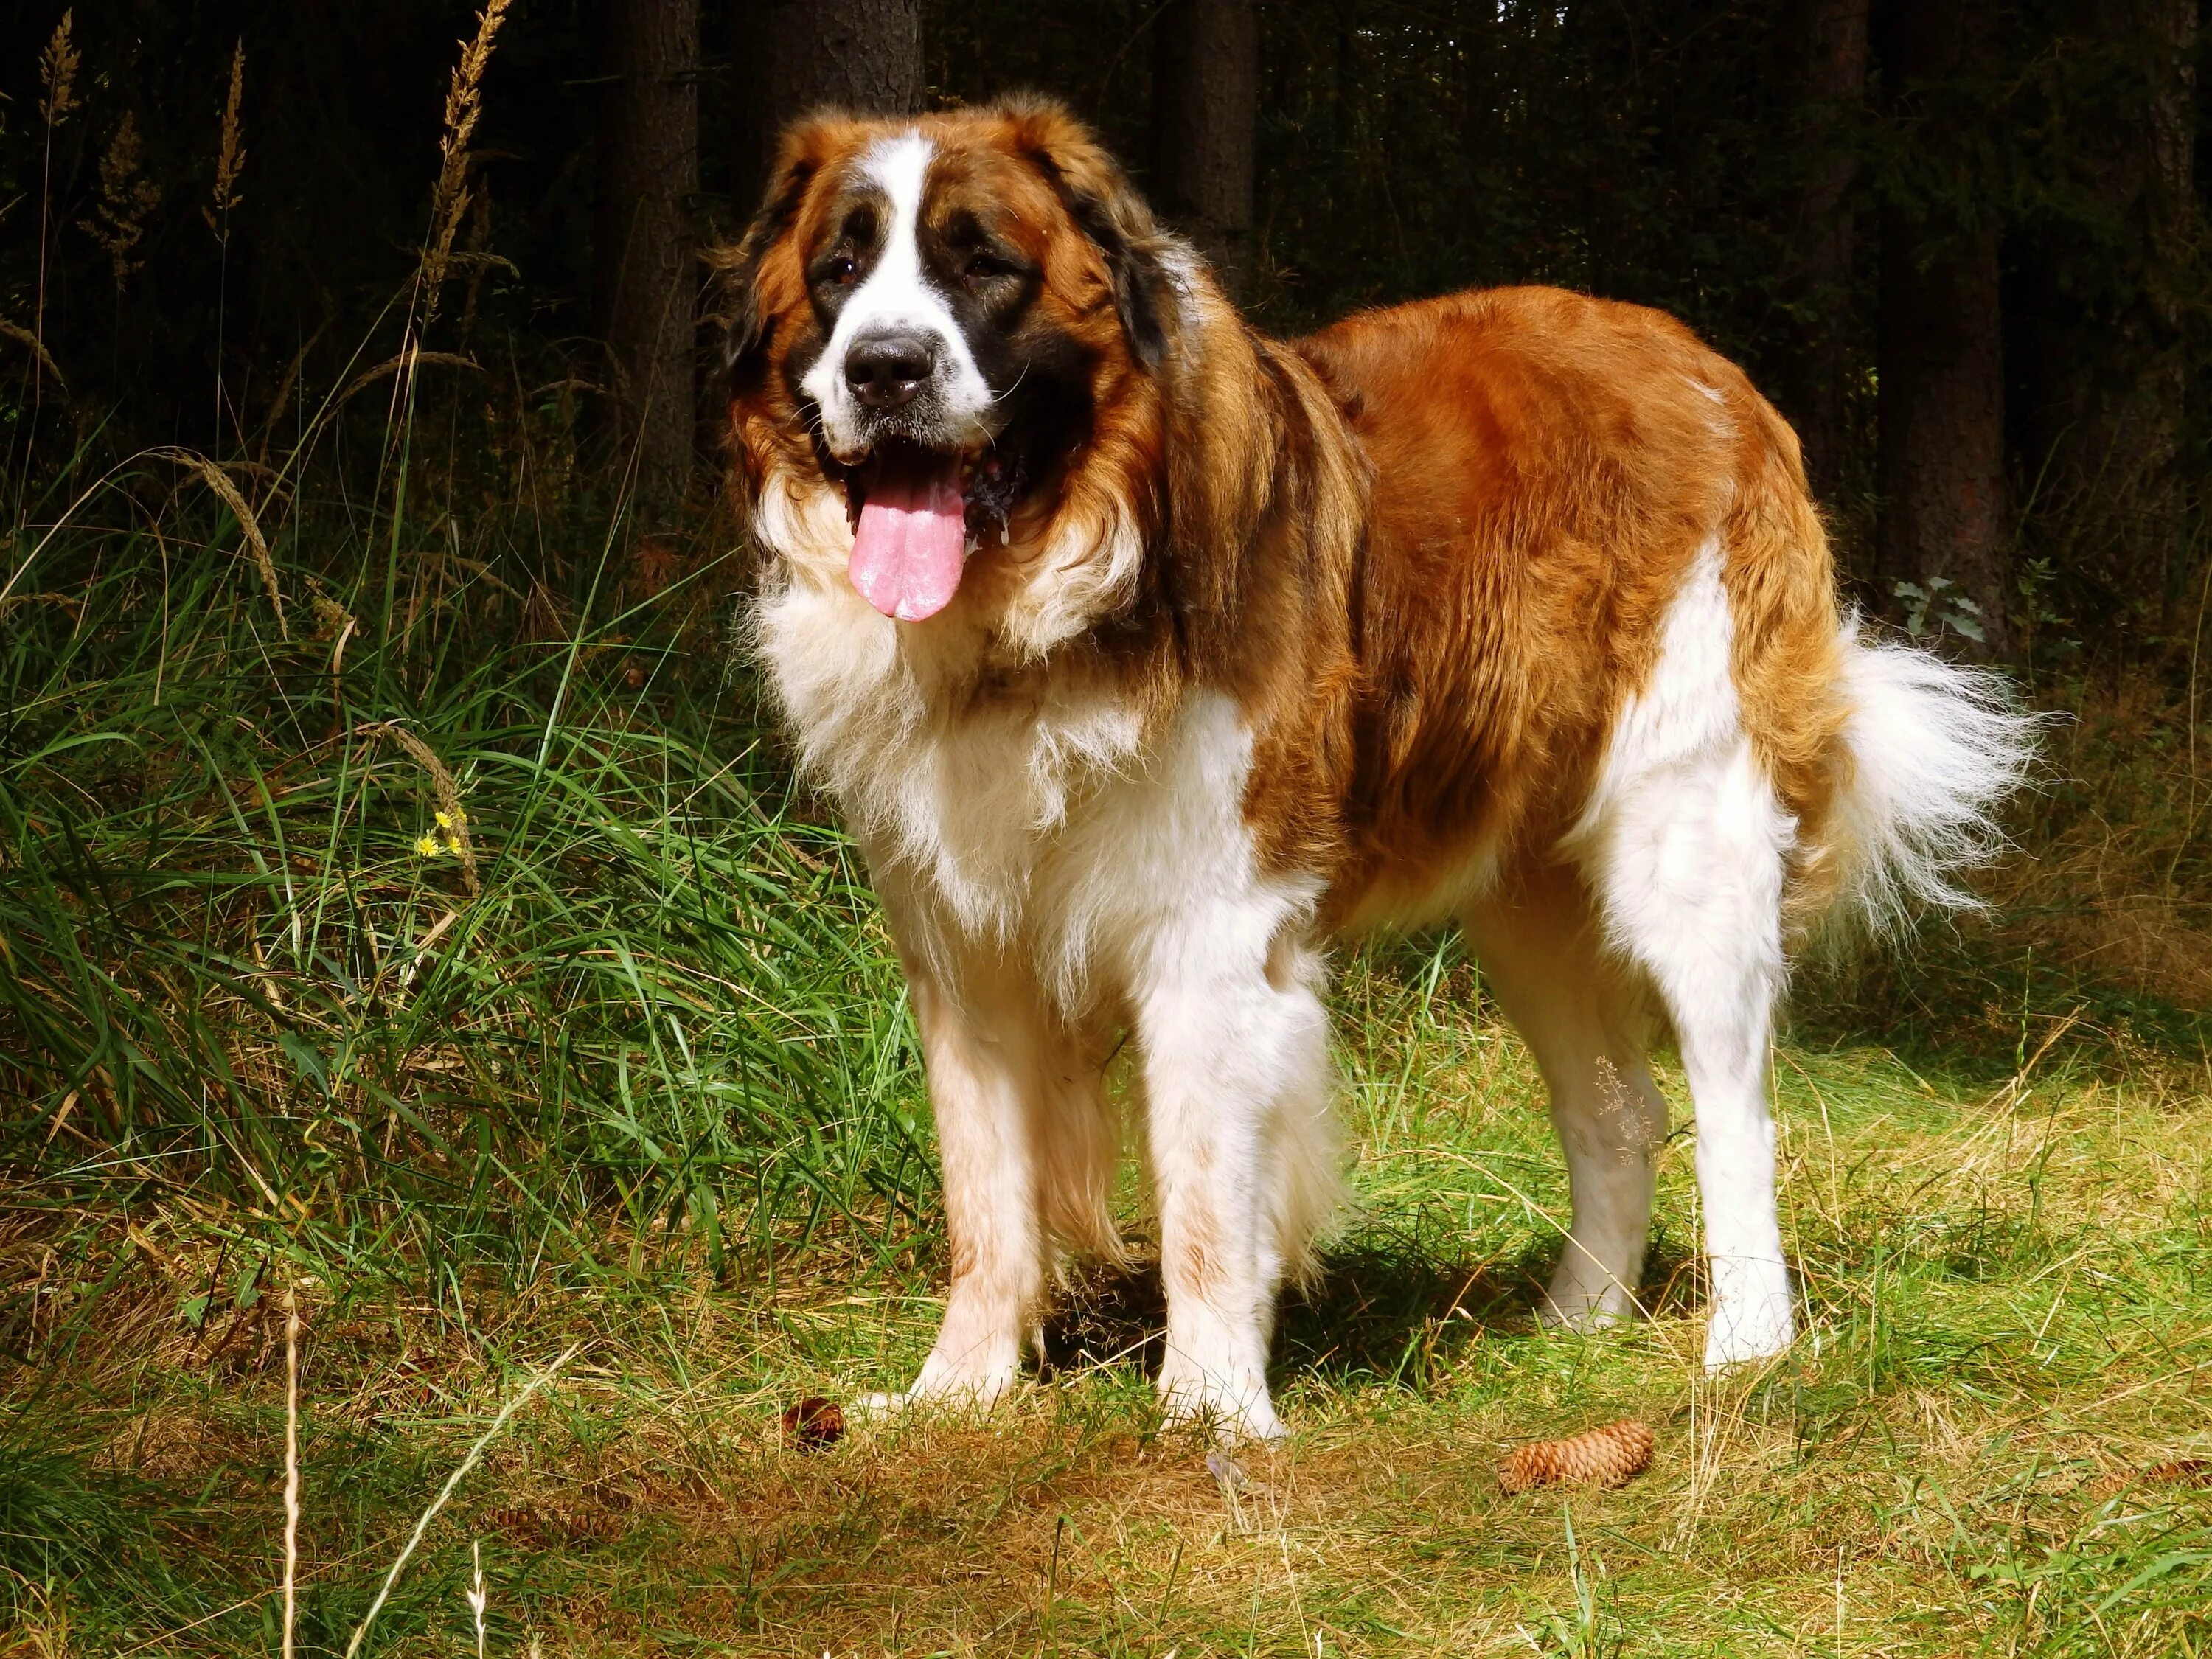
point(1509, 608)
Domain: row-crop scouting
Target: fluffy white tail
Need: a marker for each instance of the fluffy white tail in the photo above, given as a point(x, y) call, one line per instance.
point(1934, 749)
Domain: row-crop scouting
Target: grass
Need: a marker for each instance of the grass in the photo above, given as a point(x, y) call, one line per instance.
point(613, 1055)
point(317, 941)
point(2007, 1293)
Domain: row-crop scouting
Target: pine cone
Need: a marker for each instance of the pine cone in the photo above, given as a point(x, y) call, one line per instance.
point(2182, 1472)
point(545, 1525)
point(517, 1523)
point(813, 1424)
point(1610, 1456)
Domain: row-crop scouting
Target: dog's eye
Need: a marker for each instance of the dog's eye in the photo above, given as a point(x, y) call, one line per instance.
point(843, 269)
point(984, 267)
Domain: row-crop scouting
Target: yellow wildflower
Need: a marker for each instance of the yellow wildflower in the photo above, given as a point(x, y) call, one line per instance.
point(428, 847)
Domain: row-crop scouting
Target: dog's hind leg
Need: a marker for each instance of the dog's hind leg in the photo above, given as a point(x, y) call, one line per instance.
point(1697, 896)
point(1684, 844)
point(1585, 1018)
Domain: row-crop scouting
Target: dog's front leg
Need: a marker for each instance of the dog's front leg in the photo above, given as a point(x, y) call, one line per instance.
point(1237, 1084)
point(980, 1044)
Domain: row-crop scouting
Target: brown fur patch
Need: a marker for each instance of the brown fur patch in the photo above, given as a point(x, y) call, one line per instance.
point(1545, 468)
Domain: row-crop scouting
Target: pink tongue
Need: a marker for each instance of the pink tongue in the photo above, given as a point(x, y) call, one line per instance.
point(911, 543)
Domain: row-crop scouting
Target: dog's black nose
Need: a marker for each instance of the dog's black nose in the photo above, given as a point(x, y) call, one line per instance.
point(886, 371)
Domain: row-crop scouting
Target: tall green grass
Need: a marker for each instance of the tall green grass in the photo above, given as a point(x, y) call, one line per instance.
point(462, 920)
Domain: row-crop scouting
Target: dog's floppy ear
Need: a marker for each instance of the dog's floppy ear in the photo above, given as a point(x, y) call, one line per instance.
point(736, 288)
point(737, 278)
point(1100, 198)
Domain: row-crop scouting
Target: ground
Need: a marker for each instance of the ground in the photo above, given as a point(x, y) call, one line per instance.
point(2008, 1283)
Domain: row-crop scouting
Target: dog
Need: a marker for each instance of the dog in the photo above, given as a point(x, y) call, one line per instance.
point(1144, 656)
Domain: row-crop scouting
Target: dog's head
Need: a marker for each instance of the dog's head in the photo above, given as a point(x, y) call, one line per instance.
point(946, 321)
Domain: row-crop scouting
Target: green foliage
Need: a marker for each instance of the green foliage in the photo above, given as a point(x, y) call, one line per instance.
point(72, 1531)
point(414, 935)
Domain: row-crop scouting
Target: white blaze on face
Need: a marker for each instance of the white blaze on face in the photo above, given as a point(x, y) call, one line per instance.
point(897, 297)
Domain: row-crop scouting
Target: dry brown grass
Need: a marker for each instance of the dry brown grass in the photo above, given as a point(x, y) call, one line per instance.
point(464, 105)
point(2111, 883)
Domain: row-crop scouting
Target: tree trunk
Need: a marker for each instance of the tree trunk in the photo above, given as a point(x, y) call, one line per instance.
point(1826, 42)
point(1942, 452)
point(2171, 213)
point(1941, 455)
point(859, 55)
point(647, 286)
point(2104, 390)
point(1205, 102)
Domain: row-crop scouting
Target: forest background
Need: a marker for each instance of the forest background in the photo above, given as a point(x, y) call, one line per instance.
point(1962, 244)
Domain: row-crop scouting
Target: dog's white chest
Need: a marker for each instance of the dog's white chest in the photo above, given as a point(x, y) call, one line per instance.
point(1052, 824)
point(968, 800)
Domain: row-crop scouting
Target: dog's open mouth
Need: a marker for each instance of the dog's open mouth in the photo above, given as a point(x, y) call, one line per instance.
point(917, 513)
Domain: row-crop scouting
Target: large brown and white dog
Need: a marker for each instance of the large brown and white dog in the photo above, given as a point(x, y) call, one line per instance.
point(1145, 655)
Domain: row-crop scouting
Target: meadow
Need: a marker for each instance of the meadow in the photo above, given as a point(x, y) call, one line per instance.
point(411, 925)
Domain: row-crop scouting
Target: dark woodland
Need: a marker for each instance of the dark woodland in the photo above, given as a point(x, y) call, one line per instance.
point(1962, 244)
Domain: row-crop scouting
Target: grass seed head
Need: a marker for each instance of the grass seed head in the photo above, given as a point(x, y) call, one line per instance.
point(227, 492)
point(57, 68)
point(126, 200)
point(32, 344)
point(230, 153)
point(463, 104)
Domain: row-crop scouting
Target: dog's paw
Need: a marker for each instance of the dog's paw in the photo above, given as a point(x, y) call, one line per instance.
point(1749, 1334)
point(1230, 1414)
point(946, 1392)
point(1584, 1295)
point(1572, 1312)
